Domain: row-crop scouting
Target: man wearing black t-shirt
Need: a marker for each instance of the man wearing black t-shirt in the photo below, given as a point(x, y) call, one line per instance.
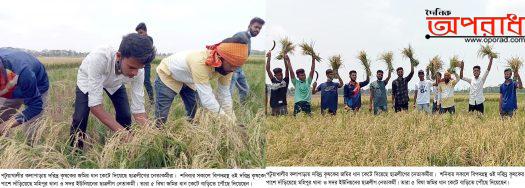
point(278, 88)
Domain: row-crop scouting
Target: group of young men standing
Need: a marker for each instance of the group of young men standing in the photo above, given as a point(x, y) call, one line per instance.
point(436, 89)
point(23, 79)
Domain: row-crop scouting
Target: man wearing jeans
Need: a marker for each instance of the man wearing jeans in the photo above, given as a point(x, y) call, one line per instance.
point(107, 70)
point(143, 30)
point(23, 80)
point(239, 78)
point(190, 73)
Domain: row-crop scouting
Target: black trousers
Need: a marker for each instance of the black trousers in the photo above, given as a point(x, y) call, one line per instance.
point(478, 108)
point(302, 106)
point(401, 107)
point(81, 114)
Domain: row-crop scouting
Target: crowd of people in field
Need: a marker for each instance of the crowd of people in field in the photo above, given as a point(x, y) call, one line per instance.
point(189, 74)
point(432, 94)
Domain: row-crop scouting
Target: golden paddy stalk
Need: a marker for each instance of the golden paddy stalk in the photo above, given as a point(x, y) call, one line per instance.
point(399, 139)
point(365, 61)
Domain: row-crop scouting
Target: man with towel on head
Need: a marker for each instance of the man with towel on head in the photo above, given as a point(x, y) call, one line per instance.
point(190, 73)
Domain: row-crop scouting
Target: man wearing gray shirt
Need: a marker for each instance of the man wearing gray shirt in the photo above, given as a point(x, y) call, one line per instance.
point(238, 78)
point(378, 101)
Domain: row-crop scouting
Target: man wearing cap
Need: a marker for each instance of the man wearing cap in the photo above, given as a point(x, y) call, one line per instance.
point(190, 73)
point(23, 80)
point(446, 90)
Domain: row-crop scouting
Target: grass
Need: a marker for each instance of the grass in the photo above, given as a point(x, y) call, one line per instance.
point(398, 139)
point(211, 143)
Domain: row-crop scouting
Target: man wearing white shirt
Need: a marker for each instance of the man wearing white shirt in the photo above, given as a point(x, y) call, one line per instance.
point(190, 74)
point(107, 70)
point(422, 93)
point(476, 97)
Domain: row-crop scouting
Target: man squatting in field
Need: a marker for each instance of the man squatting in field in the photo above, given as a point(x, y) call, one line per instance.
point(400, 89)
point(446, 89)
point(189, 73)
point(422, 93)
point(141, 29)
point(378, 101)
point(508, 102)
point(278, 88)
point(352, 91)
point(238, 77)
point(107, 70)
point(476, 98)
point(303, 93)
point(23, 80)
point(328, 91)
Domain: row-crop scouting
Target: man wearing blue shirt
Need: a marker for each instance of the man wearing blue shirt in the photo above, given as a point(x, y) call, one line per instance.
point(508, 102)
point(328, 91)
point(352, 91)
point(23, 80)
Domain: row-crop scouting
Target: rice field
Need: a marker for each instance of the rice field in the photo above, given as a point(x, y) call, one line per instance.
point(398, 139)
point(210, 143)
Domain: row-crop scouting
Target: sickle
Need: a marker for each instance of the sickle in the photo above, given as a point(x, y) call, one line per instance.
point(273, 47)
point(316, 76)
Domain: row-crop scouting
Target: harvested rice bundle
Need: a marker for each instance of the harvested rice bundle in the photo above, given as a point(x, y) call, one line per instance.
point(388, 57)
point(409, 53)
point(487, 51)
point(308, 49)
point(365, 62)
point(287, 47)
point(514, 63)
point(454, 62)
point(435, 65)
point(335, 62)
